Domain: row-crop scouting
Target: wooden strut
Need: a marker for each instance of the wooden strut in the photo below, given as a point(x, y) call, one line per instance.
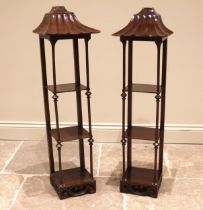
point(55, 98)
point(130, 66)
point(88, 94)
point(123, 95)
point(78, 99)
point(163, 86)
point(46, 105)
point(157, 97)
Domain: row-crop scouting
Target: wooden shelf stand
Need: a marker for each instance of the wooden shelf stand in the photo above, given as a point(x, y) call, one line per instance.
point(143, 181)
point(145, 26)
point(62, 25)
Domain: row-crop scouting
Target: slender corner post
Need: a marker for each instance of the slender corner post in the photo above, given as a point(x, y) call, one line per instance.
point(78, 99)
point(123, 95)
point(46, 105)
point(130, 75)
point(163, 86)
point(55, 98)
point(157, 97)
point(88, 94)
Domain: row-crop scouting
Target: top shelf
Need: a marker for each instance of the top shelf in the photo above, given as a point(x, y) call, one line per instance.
point(62, 88)
point(144, 88)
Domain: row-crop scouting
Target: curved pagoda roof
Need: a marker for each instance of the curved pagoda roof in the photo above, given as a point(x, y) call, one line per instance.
point(147, 23)
point(59, 21)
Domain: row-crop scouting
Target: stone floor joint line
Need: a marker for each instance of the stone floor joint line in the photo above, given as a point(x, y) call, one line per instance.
point(124, 202)
point(12, 156)
point(98, 166)
point(167, 164)
point(16, 193)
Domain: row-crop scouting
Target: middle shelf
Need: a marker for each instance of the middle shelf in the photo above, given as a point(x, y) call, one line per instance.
point(143, 133)
point(70, 133)
point(61, 88)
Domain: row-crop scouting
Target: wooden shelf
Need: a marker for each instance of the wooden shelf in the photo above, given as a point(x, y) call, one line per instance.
point(65, 88)
point(144, 88)
point(72, 177)
point(76, 182)
point(139, 181)
point(70, 133)
point(141, 176)
point(143, 133)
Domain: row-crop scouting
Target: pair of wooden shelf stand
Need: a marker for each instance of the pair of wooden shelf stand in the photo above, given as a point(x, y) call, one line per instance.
point(60, 24)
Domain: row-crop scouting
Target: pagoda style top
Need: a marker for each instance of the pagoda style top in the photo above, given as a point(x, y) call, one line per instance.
point(147, 23)
point(59, 21)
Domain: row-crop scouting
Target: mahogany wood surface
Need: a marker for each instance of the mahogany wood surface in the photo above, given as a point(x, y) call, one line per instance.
point(70, 133)
point(142, 133)
point(142, 176)
point(143, 88)
point(62, 88)
point(72, 177)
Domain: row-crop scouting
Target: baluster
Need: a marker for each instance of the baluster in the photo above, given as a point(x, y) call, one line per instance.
point(157, 97)
point(55, 98)
point(46, 106)
point(130, 74)
point(88, 94)
point(78, 99)
point(163, 94)
point(123, 95)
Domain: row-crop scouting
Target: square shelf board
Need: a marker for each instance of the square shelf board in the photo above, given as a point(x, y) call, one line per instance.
point(70, 133)
point(142, 133)
point(61, 88)
point(144, 88)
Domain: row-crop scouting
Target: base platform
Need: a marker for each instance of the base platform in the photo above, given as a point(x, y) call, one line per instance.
point(76, 182)
point(139, 181)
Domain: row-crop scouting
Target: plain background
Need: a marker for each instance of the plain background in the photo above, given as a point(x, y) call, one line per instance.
point(20, 79)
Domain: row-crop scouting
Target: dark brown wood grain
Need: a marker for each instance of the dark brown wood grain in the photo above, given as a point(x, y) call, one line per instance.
point(62, 88)
point(139, 181)
point(142, 133)
point(72, 177)
point(146, 23)
point(142, 176)
point(76, 182)
point(59, 21)
point(143, 88)
point(70, 133)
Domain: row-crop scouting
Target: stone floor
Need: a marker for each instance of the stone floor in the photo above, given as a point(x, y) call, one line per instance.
point(24, 181)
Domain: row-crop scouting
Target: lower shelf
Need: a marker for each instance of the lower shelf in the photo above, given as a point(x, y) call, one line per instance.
point(76, 182)
point(139, 181)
